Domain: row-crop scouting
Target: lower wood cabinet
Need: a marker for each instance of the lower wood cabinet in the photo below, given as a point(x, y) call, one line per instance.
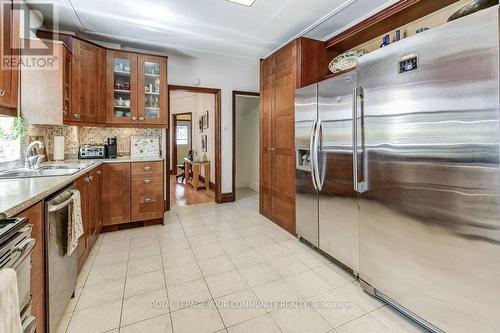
point(35, 214)
point(90, 187)
point(132, 192)
point(116, 193)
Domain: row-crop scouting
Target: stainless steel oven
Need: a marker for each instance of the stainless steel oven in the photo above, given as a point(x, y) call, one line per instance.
point(61, 268)
point(16, 246)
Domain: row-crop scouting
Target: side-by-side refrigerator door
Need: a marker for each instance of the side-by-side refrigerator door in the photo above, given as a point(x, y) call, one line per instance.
point(430, 175)
point(306, 112)
point(338, 207)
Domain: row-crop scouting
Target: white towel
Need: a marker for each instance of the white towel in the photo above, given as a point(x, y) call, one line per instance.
point(10, 317)
point(75, 227)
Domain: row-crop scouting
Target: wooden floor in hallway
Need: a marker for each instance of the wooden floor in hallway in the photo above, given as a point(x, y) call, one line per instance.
point(182, 194)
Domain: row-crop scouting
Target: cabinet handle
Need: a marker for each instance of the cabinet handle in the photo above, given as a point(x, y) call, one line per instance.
point(147, 181)
point(147, 168)
point(76, 115)
point(142, 118)
point(147, 200)
point(2, 93)
point(134, 118)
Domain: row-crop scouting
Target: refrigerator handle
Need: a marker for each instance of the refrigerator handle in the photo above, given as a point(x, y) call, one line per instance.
point(359, 187)
point(317, 142)
point(312, 154)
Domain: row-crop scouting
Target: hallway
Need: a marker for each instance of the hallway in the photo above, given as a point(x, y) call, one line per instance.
point(184, 195)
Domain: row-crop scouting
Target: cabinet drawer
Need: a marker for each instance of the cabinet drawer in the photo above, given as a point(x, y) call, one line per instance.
point(149, 183)
point(147, 197)
point(147, 168)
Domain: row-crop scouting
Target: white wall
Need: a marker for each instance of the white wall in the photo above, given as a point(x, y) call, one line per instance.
point(197, 104)
point(247, 142)
point(222, 72)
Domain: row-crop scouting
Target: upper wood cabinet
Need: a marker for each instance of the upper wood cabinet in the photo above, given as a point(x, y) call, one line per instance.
point(46, 94)
point(121, 87)
point(152, 90)
point(9, 49)
point(136, 89)
point(88, 83)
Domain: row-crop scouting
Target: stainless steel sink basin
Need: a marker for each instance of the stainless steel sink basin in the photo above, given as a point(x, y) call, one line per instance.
point(49, 170)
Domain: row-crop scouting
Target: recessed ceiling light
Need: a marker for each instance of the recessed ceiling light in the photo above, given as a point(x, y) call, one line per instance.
point(248, 3)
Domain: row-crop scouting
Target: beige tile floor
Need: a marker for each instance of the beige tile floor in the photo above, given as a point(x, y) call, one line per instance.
point(219, 268)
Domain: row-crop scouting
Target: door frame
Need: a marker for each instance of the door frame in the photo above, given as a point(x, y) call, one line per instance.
point(219, 198)
point(235, 94)
point(174, 138)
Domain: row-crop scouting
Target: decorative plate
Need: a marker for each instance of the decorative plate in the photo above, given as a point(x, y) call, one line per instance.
point(345, 61)
point(145, 146)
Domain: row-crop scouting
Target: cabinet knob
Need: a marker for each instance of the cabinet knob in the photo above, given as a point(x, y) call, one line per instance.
point(147, 181)
point(273, 149)
point(99, 172)
point(147, 168)
point(147, 200)
point(87, 179)
point(2, 93)
point(142, 118)
point(76, 115)
point(134, 118)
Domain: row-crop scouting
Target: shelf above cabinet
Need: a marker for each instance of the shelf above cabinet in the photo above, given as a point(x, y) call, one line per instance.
point(122, 91)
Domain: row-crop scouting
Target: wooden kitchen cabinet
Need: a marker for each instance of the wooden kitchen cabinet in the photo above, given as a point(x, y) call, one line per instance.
point(116, 193)
point(9, 46)
point(121, 87)
point(35, 214)
point(147, 191)
point(90, 187)
point(277, 137)
point(88, 95)
point(152, 90)
point(46, 94)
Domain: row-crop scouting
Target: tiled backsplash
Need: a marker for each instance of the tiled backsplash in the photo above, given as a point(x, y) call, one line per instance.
point(76, 136)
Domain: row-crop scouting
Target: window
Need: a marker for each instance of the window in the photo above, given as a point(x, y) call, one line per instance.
point(10, 144)
point(182, 133)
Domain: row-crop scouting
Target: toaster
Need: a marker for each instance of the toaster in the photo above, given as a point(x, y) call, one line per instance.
point(91, 152)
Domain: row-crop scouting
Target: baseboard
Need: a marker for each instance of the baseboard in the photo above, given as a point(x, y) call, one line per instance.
point(211, 184)
point(254, 186)
point(227, 197)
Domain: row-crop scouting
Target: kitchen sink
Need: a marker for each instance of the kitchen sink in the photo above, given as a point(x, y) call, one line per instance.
point(49, 170)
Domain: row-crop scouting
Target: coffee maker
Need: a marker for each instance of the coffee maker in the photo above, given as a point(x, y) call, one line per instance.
point(111, 148)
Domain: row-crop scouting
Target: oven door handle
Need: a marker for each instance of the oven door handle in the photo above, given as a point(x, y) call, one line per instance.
point(21, 250)
point(60, 206)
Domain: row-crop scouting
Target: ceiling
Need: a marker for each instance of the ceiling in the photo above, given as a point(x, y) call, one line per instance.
point(214, 26)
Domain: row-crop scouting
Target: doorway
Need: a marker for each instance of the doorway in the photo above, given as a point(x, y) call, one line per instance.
point(195, 119)
point(245, 144)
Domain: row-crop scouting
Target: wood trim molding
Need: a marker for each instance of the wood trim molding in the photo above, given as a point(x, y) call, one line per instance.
point(396, 15)
point(173, 167)
point(218, 130)
point(227, 197)
point(237, 93)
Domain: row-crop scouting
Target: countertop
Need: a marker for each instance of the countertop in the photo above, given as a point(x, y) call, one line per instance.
point(19, 194)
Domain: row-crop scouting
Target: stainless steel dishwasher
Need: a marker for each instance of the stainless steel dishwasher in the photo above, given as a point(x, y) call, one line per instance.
point(61, 269)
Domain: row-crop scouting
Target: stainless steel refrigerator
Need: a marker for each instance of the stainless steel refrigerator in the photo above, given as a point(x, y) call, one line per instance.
point(428, 174)
point(326, 203)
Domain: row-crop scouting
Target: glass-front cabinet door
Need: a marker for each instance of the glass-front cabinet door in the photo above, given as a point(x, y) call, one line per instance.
point(152, 80)
point(121, 87)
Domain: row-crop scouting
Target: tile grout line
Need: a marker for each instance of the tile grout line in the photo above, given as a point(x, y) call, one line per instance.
point(165, 280)
point(124, 285)
point(202, 275)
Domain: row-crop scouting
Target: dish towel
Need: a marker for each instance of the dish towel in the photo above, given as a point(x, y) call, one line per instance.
point(75, 227)
point(10, 317)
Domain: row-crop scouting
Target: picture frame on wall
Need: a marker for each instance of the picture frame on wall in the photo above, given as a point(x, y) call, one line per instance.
point(200, 124)
point(204, 143)
point(205, 119)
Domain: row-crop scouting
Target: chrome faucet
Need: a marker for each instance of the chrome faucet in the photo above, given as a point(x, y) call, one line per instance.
point(32, 161)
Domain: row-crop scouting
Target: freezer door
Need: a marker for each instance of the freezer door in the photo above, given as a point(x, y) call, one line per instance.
point(430, 215)
point(306, 112)
point(338, 207)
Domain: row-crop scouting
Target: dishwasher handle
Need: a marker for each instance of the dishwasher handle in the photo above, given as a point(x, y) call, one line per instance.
point(64, 204)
